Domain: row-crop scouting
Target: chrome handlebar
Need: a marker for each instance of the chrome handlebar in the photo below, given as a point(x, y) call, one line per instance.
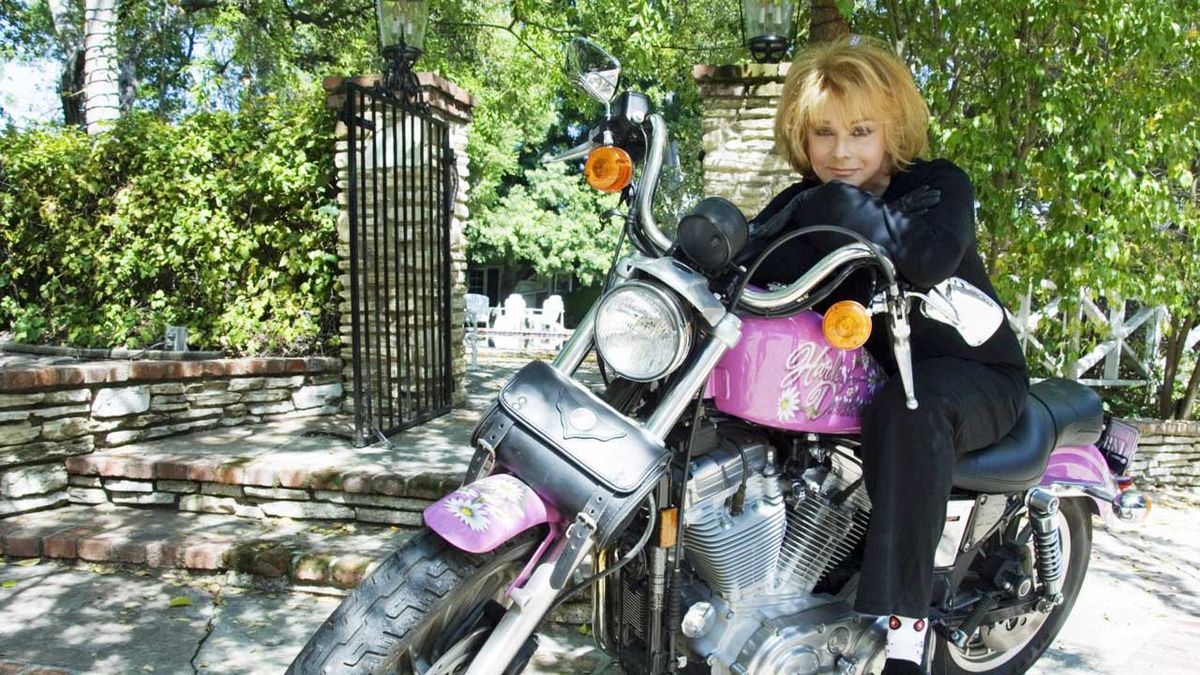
point(651, 170)
point(754, 299)
point(578, 152)
point(896, 301)
point(655, 148)
point(787, 296)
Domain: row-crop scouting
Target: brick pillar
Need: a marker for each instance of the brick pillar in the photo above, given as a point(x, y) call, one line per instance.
point(740, 163)
point(452, 105)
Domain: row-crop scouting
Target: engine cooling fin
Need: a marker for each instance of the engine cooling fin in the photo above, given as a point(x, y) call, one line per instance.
point(735, 555)
point(827, 520)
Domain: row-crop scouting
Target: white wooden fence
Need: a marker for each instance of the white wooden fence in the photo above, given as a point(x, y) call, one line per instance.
point(1103, 324)
point(1116, 341)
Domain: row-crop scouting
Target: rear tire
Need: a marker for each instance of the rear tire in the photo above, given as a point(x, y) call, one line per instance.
point(1075, 528)
point(396, 620)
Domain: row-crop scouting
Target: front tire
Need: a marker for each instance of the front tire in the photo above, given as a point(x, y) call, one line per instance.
point(1075, 529)
point(397, 620)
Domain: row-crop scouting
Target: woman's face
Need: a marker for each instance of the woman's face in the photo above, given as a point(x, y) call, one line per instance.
point(848, 147)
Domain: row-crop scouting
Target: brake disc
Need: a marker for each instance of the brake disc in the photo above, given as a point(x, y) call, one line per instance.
point(1006, 635)
point(459, 655)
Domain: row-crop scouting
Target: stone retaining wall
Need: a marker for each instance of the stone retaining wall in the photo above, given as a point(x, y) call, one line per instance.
point(50, 413)
point(1168, 454)
point(248, 501)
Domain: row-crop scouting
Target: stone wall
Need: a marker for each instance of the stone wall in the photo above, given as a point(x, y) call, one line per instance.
point(408, 310)
point(51, 413)
point(740, 163)
point(300, 501)
point(1168, 454)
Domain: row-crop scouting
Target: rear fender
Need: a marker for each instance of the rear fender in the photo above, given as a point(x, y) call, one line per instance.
point(1082, 467)
point(482, 515)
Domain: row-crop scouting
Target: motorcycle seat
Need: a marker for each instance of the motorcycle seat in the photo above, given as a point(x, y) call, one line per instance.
point(1057, 412)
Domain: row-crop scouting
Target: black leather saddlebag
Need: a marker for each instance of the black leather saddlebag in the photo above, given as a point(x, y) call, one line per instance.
point(572, 448)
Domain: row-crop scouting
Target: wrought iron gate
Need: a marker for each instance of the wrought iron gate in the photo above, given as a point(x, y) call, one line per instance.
point(401, 195)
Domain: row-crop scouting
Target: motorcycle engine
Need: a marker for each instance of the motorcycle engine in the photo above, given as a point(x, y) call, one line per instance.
point(749, 606)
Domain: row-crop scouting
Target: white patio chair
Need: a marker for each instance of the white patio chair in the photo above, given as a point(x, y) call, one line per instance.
point(550, 318)
point(512, 317)
point(477, 311)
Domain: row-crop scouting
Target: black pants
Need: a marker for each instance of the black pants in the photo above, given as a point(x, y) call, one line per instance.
point(908, 458)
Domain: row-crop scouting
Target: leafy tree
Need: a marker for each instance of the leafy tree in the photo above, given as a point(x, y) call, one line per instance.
point(24, 29)
point(1077, 120)
point(101, 102)
point(535, 111)
point(1078, 123)
point(552, 223)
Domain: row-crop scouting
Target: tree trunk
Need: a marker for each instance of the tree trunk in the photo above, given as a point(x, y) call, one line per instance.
point(67, 29)
point(1189, 395)
point(70, 89)
point(826, 22)
point(1180, 327)
point(102, 101)
point(128, 80)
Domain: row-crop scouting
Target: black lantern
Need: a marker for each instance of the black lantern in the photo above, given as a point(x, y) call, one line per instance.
point(402, 25)
point(767, 28)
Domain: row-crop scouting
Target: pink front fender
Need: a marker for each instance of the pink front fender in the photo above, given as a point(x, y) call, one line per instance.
point(479, 517)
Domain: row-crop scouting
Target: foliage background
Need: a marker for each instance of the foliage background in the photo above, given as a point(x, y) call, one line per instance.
point(1077, 119)
point(221, 222)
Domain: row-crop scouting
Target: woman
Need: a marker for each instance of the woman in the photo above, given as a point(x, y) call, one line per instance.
point(852, 123)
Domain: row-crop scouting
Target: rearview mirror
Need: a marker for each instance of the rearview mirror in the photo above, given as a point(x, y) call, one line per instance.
point(593, 70)
point(970, 311)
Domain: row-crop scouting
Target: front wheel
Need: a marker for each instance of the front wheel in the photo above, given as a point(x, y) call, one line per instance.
point(418, 612)
point(1013, 646)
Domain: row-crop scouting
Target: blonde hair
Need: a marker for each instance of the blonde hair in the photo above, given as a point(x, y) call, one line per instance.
point(867, 78)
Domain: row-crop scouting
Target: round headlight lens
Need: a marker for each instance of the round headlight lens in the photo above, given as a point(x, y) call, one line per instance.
point(641, 331)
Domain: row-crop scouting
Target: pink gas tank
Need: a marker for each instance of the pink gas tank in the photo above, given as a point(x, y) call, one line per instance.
point(785, 374)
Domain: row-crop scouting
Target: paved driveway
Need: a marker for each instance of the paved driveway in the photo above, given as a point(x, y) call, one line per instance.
point(1139, 611)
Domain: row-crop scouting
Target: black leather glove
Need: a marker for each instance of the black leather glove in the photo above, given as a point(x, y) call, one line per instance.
point(780, 222)
point(833, 203)
point(918, 202)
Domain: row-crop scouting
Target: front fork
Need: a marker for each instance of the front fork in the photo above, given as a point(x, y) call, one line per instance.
point(531, 602)
point(537, 596)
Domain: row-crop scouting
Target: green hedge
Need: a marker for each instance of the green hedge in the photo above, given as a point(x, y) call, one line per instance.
point(222, 222)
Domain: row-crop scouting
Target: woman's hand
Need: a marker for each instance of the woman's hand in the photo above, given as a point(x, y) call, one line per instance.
point(919, 201)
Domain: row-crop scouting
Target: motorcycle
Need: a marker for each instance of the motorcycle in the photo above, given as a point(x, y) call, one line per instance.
point(711, 499)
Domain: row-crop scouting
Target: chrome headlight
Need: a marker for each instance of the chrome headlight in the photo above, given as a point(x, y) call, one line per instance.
point(641, 331)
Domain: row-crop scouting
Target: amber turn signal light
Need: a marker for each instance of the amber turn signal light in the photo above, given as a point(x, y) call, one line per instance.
point(608, 169)
point(847, 325)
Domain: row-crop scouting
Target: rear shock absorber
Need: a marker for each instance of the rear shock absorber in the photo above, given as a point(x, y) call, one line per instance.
point(1043, 507)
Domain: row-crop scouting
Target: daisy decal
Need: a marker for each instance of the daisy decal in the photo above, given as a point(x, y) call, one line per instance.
point(504, 513)
point(789, 403)
point(509, 490)
point(471, 511)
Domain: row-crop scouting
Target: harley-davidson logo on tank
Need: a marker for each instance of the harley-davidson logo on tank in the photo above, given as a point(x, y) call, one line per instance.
point(784, 374)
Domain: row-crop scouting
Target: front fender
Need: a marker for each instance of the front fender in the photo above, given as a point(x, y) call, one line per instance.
point(482, 515)
point(1082, 466)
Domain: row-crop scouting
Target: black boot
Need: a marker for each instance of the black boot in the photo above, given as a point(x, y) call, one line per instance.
point(902, 667)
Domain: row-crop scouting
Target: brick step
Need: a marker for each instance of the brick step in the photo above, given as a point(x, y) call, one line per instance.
point(304, 554)
point(289, 469)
